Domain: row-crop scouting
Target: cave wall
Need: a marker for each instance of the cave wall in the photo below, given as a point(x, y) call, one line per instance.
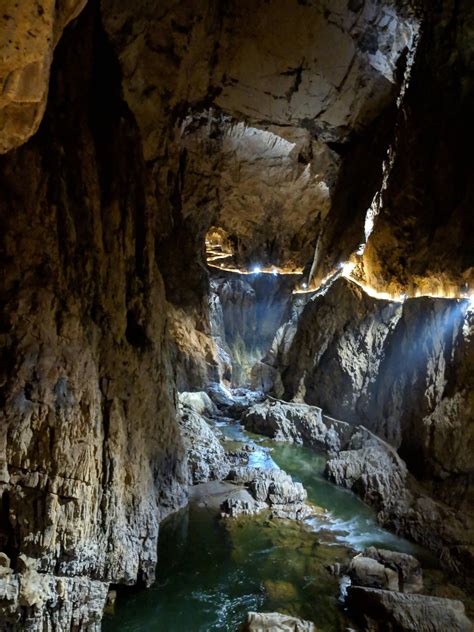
point(91, 452)
point(105, 289)
point(403, 370)
point(29, 33)
point(228, 83)
point(419, 242)
point(246, 311)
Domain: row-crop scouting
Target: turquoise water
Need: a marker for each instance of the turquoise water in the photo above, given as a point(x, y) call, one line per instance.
point(212, 572)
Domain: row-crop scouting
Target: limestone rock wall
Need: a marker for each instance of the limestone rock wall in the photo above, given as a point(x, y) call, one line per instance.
point(246, 311)
point(283, 98)
point(405, 371)
point(28, 34)
point(91, 455)
point(419, 240)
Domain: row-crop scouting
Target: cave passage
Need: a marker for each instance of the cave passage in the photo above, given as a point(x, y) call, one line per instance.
point(212, 573)
point(237, 315)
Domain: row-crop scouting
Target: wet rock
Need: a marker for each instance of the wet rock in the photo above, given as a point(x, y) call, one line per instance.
point(241, 503)
point(407, 567)
point(199, 401)
point(375, 470)
point(380, 477)
point(206, 456)
point(110, 600)
point(365, 571)
point(221, 396)
point(268, 489)
point(242, 399)
point(4, 560)
point(381, 610)
point(237, 458)
point(297, 423)
point(276, 622)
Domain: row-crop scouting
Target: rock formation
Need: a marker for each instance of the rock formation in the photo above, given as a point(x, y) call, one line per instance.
point(378, 568)
point(266, 489)
point(269, 621)
point(28, 35)
point(206, 457)
point(392, 367)
point(91, 453)
point(369, 466)
point(291, 128)
point(245, 315)
point(386, 610)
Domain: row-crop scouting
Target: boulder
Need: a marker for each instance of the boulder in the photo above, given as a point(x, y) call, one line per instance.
point(199, 401)
point(241, 503)
point(365, 571)
point(276, 622)
point(269, 489)
point(297, 423)
point(221, 396)
point(375, 471)
point(407, 567)
point(387, 611)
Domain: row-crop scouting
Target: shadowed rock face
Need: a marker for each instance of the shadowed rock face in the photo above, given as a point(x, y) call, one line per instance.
point(246, 311)
point(403, 370)
point(264, 112)
point(28, 34)
point(91, 452)
point(426, 210)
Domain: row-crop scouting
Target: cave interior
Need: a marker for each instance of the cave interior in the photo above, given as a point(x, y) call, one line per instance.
point(237, 326)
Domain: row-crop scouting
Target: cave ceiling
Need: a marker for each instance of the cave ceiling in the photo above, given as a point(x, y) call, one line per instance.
point(276, 128)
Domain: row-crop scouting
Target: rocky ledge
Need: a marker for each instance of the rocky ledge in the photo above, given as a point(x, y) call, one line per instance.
point(380, 568)
point(380, 610)
point(297, 423)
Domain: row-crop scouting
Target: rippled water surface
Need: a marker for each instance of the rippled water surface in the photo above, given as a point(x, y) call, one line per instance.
point(211, 573)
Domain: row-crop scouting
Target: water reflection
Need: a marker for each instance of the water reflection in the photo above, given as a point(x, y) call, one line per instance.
point(211, 573)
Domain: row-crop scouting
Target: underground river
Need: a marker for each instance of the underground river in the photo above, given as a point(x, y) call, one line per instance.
point(211, 572)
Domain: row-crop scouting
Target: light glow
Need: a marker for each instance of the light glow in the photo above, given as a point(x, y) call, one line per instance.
point(274, 270)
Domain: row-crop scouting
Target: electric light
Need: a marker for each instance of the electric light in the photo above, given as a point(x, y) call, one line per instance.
point(256, 270)
point(347, 268)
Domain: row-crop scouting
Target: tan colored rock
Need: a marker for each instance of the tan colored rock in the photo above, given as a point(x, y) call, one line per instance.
point(28, 34)
point(199, 401)
point(206, 458)
point(91, 452)
point(407, 567)
point(365, 571)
